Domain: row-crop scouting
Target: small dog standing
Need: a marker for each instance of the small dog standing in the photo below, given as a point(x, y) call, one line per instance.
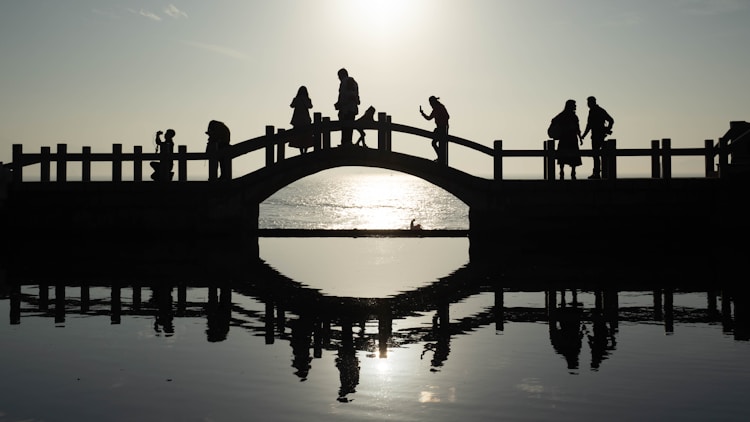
point(368, 117)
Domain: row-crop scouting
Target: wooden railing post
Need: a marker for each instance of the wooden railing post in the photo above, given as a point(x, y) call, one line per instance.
point(655, 160)
point(281, 146)
point(62, 162)
point(44, 164)
point(18, 163)
point(117, 162)
point(709, 153)
point(723, 157)
point(609, 166)
point(326, 133)
point(666, 153)
point(269, 146)
point(182, 163)
point(137, 163)
point(549, 159)
point(388, 133)
point(86, 164)
point(317, 120)
point(498, 160)
point(382, 132)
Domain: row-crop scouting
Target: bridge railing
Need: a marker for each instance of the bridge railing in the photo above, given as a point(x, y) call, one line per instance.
point(274, 143)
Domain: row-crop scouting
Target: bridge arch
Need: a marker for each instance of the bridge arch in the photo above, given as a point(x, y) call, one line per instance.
point(262, 183)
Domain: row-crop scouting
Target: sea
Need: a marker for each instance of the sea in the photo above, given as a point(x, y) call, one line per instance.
point(367, 329)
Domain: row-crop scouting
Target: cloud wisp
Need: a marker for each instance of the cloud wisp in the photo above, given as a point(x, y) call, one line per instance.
point(172, 11)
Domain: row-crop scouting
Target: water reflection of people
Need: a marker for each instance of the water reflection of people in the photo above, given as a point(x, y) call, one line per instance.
point(162, 298)
point(347, 364)
point(301, 342)
point(601, 340)
point(218, 314)
point(565, 331)
point(441, 348)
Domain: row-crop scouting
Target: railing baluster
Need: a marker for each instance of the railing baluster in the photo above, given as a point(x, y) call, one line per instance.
point(723, 157)
point(182, 163)
point(708, 146)
point(666, 157)
point(117, 162)
point(86, 164)
point(317, 120)
point(382, 135)
point(62, 162)
point(269, 145)
point(138, 163)
point(388, 133)
point(549, 154)
point(18, 163)
point(498, 160)
point(611, 159)
point(44, 165)
point(281, 146)
point(655, 160)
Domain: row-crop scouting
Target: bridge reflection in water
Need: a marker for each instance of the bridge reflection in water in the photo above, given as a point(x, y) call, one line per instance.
point(312, 322)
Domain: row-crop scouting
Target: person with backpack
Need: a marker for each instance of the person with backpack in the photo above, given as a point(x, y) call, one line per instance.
point(218, 140)
point(565, 128)
point(600, 124)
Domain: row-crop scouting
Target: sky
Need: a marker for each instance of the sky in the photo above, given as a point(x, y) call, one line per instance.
point(98, 72)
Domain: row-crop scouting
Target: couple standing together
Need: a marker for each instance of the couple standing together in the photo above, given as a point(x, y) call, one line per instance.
point(348, 108)
point(565, 128)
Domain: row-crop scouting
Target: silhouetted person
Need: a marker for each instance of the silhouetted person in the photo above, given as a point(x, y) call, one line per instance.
point(163, 167)
point(600, 124)
point(301, 343)
point(347, 363)
point(602, 340)
point(568, 133)
point(347, 105)
point(303, 136)
point(218, 140)
point(442, 346)
point(367, 117)
point(441, 116)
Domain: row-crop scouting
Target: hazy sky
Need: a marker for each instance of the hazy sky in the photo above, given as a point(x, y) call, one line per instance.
point(98, 72)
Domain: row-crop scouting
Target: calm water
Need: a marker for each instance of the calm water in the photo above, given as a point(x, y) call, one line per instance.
point(364, 329)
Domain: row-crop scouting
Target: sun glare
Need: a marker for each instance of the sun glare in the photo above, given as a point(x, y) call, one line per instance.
point(382, 17)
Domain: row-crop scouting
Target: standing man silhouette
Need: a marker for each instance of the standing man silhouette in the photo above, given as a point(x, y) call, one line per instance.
point(441, 116)
point(600, 124)
point(347, 105)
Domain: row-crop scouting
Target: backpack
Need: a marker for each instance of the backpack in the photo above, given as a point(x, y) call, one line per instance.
point(554, 130)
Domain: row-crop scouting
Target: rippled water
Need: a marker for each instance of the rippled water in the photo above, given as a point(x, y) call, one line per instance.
point(365, 329)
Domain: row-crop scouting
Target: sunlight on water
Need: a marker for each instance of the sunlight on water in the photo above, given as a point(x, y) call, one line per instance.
point(352, 198)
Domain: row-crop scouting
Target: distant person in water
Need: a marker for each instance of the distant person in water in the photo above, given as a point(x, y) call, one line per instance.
point(600, 124)
point(569, 136)
point(347, 104)
point(163, 168)
point(218, 140)
point(303, 136)
point(441, 116)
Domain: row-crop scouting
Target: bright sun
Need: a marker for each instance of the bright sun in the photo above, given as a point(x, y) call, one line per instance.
point(382, 16)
